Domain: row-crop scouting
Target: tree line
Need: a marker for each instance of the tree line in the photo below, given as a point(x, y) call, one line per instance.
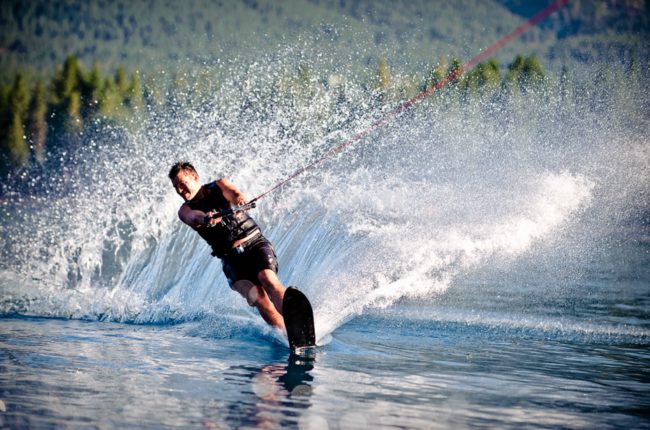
point(39, 119)
point(524, 74)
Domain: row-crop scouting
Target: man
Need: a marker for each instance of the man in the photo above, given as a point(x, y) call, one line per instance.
point(248, 258)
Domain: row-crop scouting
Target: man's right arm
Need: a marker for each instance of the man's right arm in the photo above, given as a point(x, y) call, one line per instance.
point(194, 218)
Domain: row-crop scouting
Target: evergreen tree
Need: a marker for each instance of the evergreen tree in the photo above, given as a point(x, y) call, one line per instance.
point(533, 72)
point(121, 81)
point(37, 124)
point(17, 151)
point(455, 71)
point(490, 75)
point(90, 89)
point(383, 79)
point(433, 77)
point(69, 79)
point(19, 98)
point(525, 74)
point(15, 148)
point(73, 123)
point(66, 102)
point(5, 117)
point(4, 97)
point(383, 74)
point(513, 75)
point(483, 79)
point(5, 122)
point(110, 99)
point(119, 91)
point(135, 99)
point(453, 89)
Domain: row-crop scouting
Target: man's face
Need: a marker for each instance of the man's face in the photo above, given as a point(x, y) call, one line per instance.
point(186, 184)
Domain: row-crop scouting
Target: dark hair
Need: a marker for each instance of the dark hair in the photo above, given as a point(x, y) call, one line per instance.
point(185, 166)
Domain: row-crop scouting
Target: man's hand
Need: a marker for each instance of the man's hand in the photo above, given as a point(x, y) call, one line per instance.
point(208, 221)
point(196, 218)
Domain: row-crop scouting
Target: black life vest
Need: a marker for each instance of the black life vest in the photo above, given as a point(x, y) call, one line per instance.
point(232, 228)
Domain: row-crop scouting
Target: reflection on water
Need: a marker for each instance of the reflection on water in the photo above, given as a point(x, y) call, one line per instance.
point(276, 395)
point(56, 373)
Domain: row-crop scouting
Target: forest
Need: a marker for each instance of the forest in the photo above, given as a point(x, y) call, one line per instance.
point(45, 122)
point(44, 119)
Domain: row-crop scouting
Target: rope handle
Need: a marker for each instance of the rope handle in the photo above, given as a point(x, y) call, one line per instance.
point(229, 211)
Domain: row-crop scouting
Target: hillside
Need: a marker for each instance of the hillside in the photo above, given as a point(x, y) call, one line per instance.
point(335, 34)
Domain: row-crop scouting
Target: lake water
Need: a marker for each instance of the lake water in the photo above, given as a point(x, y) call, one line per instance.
point(505, 357)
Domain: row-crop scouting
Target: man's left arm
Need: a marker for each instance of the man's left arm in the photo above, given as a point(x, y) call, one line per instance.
point(231, 192)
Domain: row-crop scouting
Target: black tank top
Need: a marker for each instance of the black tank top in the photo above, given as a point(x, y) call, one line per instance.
point(232, 228)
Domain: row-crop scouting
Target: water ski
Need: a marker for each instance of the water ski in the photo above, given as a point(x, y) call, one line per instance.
point(298, 319)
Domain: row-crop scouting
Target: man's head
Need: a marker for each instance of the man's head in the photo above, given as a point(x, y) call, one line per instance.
point(185, 179)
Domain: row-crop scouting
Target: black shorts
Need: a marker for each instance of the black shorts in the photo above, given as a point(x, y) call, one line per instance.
point(257, 256)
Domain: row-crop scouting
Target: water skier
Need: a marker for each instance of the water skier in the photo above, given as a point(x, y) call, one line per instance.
point(248, 258)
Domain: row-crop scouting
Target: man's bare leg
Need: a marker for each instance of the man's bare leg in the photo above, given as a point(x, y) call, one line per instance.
point(273, 287)
point(256, 296)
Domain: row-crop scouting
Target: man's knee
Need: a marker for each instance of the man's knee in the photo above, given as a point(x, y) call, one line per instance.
point(268, 277)
point(248, 290)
